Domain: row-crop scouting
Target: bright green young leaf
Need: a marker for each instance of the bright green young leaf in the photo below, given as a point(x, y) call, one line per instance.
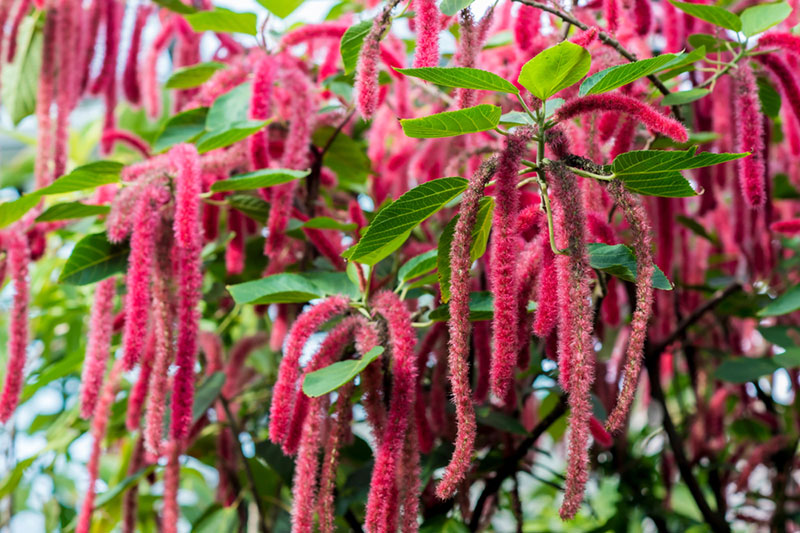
point(14, 210)
point(554, 69)
point(94, 259)
point(223, 20)
point(104, 498)
point(480, 236)
point(465, 78)
point(684, 97)
point(619, 261)
point(193, 76)
point(451, 7)
point(763, 16)
point(281, 8)
point(614, 77)
point(417, 266)
point(20, 78)
point(786, 303)
point(481, 307)
point(330, 378)
point(744, 369)
point(517, 118)
point(250, 205)
point(230, 135)
point(393, 224)
point(713, 14)
point(482, 117)
point(84, 177)
point(266, 177)
point(230, 108)
point(177, 6)
point(70, 210)
point(351, 43)
point(279, 288)
point(328, 223)
point(183, 127)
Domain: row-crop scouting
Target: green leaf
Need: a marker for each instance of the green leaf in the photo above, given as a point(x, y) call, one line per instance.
point(108, 496)
point(788, 359)
point(14, 210)
point(230, 108)
point(417, 266)
point(684, 97)
point(351, 43)
point(266, 177)
point(481, 307)
point(554, 69)
point(762, 17)
point(486, 416)
point(85, 177)
point(787, 302)
point(619, 260)
point(614, 77)
point(177, 6)
point(330, 378)
point(769, 97)
point(94, 259)
point(223, 20)
point(657, 172)
point(281, 8)
point(451, 7)
point(20, 78)
point(206, 394)
point(517, 118)
point(393, 224)
point(279, 288)
point(744, 369)
point(250, 205)
point(480, 236)
point(783, 336)
point(344, 156)
point(465, 78)
point(69, 210)
point(183, 127)
point(193, 76)
point(330, 283)
point(696, 228)
point(482, 117)
point(713, 14)
point(229, 135)
point(328, 223)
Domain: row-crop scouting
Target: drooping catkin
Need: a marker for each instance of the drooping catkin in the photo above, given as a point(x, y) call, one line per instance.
point(637, 219)
point(98, 345)
point(460, 328)
point(330, 464)
point(749, 136)
point(260, 109)
point(546, 316)
point(428, 26)
point(67, 38)
point(306, 482)
point(163, 324)
point(138, 393)
point(366, 85)
point(44, 98)
point(171, 512)
point(130, 76)
point(18, 259)
point(504, 252)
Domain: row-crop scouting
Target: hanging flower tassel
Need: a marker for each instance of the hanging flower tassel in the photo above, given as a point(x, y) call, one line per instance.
point(749, 137)
point(18, 259)
point(366, 85)
point(428, 26)
point(98, 346)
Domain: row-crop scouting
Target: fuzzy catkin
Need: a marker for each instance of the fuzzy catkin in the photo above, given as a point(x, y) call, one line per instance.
point(427, 25)
point(130, 76)
point(67, 40)
point(44, 99)
point(789, 227)
point(504, 252)
point(18, 258)
point(546, 291)
point(163, 320)
point(366, 85)
point(305, 482)
point(636, 217)
point(138, 393)
point(23, 8)
point(749, 137)
point(98, 346)
point(327, 479)
point(260, 108)
point(171, 512)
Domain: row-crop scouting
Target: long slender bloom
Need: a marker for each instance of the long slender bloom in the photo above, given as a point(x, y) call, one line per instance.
point(789, 227)
point(237, 358)
point(309, 32)
point(163, 319)
point(546, 292)
point(23, 8)
point(138, 393)
point(787, 79)
point(130, 77)
point(67, 38)
point(366, 85)
point(327, 479)
point(151, 90)
point(44, 99)
point(783, 40)
point(460, 327)
point(640, 227)
point(260, 109)
point(171, 511)
point(504, 252)
point(188, 245)
point(18, 258)
point(749, 137)
point(381, 514)
point(305, 482)
point(428, 26)
point(648, 115)
point(98, 346)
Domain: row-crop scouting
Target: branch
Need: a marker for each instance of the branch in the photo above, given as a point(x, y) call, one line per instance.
point(510, 464)
point(605, 39)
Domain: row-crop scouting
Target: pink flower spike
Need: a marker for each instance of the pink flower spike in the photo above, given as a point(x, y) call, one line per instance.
point(305, 482)
point(171, 512)
point(234, 252)
point(527, 26)
point(112, 136)
point(289, 373)
point(308, 32)
point(586, 37)
point(327, 480)
point(151, 89)
point(236, 361)
point(648, 115)
point(23, 8)
point(546, 291)
point(18, 258)
point(787, 42)
point(366, 85)
point(428, 26)
point(44, 98)
point(749, 137)
point(130, 77)
point(643, 16)
point(108, 72)
point(600, 435)
point(260, 109)
point(98, 346)
point(612, 14)
point(138, 393)
point(789, 227)
point(68, 19)
point(787, 79)
point(163, 320)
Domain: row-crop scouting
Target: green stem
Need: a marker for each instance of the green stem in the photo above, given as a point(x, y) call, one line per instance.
point(543, 188)
point(592, 175)
point(713, 79)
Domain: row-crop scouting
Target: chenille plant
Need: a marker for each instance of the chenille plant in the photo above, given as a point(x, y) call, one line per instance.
point(412, 265)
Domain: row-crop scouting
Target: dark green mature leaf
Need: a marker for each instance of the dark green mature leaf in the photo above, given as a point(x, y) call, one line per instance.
point(223, 20)
point(351, 43)
point(657, 172)
point(451, 7)
point(696, 228)
point(206, 394)
point(787, 302)
point(193, 76)
point(784, 336)
point(104, 498)
point(465, 78)
point(328, 223)
point(20, 78)
point(418, 265)
point(230, 135)
point(94, 259)
point(345, 156)
point(183, 127)
point(443, 524)
point(177, 6)
point(744, 369)
point(617, 76)
point(393, 224)
point(481, 307)
point(762, 17)
point(769, 97)
point(279, 288)
point(85, 177)
point(69, 210)
point(619, 260)
point(713, 14)
point(684, 97)
point(281, 8)
point(486, 416)
point(480, 236)
point(230, 108)
point(250, 205)
point(266, 177)
point(482, 117)
point(328, 379)
point(554, 69)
